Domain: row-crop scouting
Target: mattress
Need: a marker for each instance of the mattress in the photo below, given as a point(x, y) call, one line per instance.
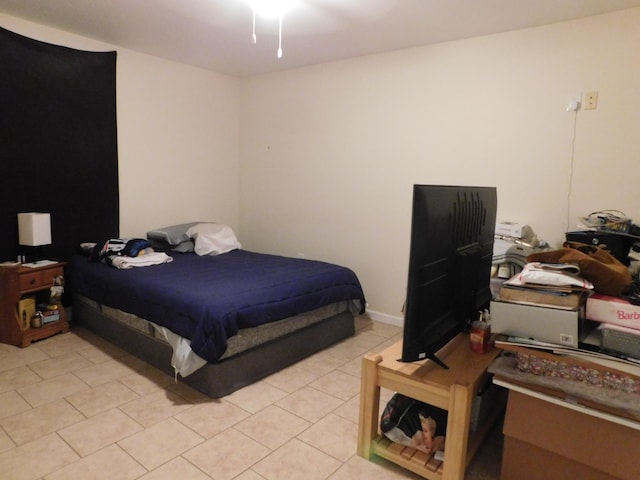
point(209, 299)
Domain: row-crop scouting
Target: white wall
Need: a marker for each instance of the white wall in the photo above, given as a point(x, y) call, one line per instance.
point(329, 153)
point(178, 136)
point(326, 155)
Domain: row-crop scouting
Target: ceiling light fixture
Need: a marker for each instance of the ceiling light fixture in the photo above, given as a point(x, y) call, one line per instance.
point(270, 9)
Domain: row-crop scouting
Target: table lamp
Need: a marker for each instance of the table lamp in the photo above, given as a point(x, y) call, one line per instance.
point(34, 229)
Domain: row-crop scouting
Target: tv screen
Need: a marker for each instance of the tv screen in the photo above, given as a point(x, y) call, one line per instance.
point(452, 232)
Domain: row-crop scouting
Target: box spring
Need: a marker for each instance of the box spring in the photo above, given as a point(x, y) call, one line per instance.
point(247, 365)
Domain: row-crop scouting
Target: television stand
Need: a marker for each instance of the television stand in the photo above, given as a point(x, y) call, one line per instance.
point(452, 390)
point(435, 359)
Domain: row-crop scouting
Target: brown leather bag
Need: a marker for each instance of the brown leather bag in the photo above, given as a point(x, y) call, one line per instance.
point(608, 275)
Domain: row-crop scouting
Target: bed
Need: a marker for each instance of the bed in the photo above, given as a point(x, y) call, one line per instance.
point(219, 322)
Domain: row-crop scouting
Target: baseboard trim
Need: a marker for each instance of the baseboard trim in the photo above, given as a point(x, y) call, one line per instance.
point(385, 318)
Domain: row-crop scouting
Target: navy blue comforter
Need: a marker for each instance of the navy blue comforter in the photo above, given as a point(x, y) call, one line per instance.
point(208, 298)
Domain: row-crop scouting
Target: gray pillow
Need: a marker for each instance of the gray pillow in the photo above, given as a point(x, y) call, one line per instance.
point(173, 237)
point(184, 247)
point(173, 234)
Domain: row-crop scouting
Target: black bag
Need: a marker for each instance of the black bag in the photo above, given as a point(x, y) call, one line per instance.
point(414, 424)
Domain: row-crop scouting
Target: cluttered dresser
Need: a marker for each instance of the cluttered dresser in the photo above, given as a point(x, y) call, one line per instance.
point(563, 363)
point(569, 326)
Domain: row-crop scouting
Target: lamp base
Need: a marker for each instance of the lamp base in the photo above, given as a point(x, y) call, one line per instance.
point(29, 254)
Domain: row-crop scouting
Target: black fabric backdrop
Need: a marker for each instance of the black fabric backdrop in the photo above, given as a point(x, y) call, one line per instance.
point(58, 142)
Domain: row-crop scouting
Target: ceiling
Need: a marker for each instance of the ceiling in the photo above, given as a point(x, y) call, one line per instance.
point(216, 34)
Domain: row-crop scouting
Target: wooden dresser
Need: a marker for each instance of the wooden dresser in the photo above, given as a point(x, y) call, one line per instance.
point(18, 283)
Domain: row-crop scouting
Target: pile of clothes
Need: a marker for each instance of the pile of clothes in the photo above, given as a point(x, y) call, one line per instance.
point(125, 253)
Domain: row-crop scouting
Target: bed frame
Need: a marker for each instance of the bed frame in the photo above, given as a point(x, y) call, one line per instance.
point(230, 374)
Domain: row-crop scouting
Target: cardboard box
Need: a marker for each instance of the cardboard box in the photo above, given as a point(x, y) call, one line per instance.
point(523, 461)
point(544, 441)
point(544, 324)
point(542, 297)
point(615, 310)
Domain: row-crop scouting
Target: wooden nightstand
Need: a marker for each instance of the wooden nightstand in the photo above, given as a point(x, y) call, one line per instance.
point(20, 282)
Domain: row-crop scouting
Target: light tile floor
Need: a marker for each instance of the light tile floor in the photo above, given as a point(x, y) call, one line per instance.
point(75, 406)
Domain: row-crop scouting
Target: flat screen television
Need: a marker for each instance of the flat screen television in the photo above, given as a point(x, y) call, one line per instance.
point(452, 233)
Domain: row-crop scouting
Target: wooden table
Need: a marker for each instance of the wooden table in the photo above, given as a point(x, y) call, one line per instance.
point(451, 390)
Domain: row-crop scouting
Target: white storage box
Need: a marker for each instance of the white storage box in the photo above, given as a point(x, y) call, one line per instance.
point(544, 324)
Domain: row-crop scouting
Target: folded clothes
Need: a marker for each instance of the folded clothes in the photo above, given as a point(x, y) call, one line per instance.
point(540, 274)
point(146, 260)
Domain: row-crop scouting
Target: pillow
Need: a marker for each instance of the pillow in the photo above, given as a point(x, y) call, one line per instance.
point(184, 247)
point(173, 237)
point(213, 238)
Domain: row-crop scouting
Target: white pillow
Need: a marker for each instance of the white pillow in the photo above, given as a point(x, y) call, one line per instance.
point(213, 238)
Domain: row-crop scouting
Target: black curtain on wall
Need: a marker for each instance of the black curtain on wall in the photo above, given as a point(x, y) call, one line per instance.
point(58, 142)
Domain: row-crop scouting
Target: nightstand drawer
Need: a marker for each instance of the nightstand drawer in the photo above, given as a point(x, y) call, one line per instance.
point(39, 279)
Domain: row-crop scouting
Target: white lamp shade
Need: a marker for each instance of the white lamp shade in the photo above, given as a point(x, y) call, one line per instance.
point(34, 229)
